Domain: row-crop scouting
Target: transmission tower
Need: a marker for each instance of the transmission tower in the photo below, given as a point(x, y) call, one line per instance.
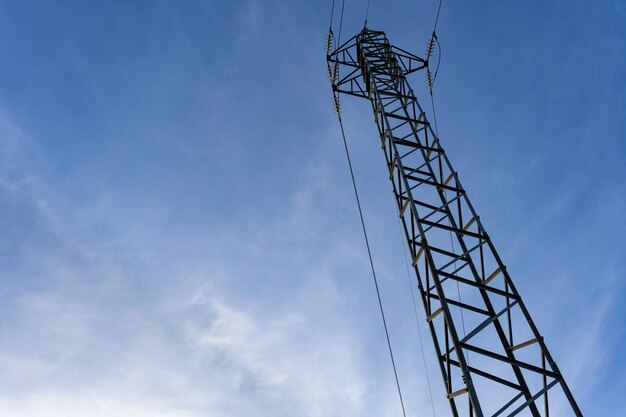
point(488, 347)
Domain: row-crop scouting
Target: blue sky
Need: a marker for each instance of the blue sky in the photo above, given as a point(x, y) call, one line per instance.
point(179, 235)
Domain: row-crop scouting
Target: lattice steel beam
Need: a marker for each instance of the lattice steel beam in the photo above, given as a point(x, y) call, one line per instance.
point(497, 357)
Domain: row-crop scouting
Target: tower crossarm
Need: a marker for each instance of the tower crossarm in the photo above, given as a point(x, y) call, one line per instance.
point(488, 347)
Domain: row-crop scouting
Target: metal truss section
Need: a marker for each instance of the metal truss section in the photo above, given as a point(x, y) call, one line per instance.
point(488, 346)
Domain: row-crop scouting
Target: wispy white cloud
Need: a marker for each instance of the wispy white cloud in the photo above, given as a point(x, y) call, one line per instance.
point(133, 303)
point(84, 341)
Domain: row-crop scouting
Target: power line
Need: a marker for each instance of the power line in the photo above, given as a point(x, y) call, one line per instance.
point(437, 17)
point(343, 4)
point(419, 331)
point(371, 261)
point(434, 38)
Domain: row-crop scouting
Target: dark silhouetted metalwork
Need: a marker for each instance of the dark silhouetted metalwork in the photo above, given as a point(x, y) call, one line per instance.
point(501, 362)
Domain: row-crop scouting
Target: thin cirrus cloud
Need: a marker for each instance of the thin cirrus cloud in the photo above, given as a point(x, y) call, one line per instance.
point(83, 339)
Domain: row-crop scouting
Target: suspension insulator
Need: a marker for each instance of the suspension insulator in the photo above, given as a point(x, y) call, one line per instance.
point(333, 72)
point(337, 104)
point(431, 46)
point(429, 80)
point(329, 41)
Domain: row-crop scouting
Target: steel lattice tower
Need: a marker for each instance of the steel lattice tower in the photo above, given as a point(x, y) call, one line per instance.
point(500, 362)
